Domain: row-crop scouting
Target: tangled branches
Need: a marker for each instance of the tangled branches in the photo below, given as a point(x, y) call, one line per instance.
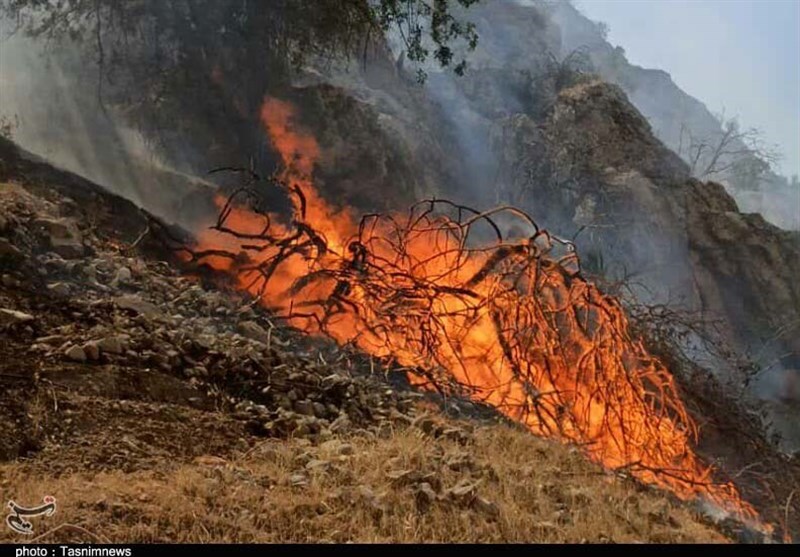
point(510, 323)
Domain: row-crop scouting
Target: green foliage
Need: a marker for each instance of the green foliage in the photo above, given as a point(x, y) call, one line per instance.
point(292, 29)
point(199, 69)
point(420, 23)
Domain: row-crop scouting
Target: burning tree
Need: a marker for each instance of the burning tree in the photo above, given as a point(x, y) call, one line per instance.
point(512, 324)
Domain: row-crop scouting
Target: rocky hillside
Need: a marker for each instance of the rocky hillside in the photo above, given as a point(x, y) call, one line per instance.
point(156, 406)
point(527, 128)
point(677, 118)
point(115, 353)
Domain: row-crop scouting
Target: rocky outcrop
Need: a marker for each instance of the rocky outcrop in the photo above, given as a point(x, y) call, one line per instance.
point(635, 203)
point(746, 269)
point(578, 156)
point(674, 115)
point(599, 175)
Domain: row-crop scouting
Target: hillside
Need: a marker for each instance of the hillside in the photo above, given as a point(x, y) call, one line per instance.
point(315, 299)
point(157, 408)
point(677, 118)
point(536, 130)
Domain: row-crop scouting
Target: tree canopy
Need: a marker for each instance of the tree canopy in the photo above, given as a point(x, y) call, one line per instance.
point(195, 66)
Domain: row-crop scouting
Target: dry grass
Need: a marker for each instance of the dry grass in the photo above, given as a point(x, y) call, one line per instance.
point(509, 487)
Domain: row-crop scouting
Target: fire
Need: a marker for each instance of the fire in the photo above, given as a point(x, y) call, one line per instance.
point(510, 324)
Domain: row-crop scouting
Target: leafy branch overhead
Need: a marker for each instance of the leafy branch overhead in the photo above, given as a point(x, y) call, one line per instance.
point(424, 25)
point(199, 69)
point(291, 29)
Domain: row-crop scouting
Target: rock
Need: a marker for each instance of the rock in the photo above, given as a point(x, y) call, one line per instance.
point(253, 331)
point(298, 480)
point(341, 424)
point(137, 305)
point(317, 464)
point(12, 317)
point(7, 249)
point(463, 489)
point(319, 410)
point(337, 447)
point(111, 345)
point(92, 350)
point(60, 289)
point(51, 340)
point(425, 495)
point(330, 446)
point(123, 276)
point(62, 236)
point(304, 407)
point(486, 507)
point(75, 353)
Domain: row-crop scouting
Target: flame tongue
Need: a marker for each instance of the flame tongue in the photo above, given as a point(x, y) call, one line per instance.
point(511, 324)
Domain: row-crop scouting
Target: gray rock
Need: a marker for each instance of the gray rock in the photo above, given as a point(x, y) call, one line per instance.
point(123, 276)
point(76, 354)
point(111, 345)
point(304, 407)
point(486, 507)
point(90, 272)
point(317, 464)
point(7, 249)
point(137, 305)
point(319, 410)
point(60, 289)
point(425, 494)
point(51, 340)
point(63, 236)
point(92, 350)
point(12, 317)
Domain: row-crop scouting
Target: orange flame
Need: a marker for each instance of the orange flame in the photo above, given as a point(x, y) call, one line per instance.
point(511, 323)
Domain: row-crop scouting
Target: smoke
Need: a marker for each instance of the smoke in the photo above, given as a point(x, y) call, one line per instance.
point(52, 108)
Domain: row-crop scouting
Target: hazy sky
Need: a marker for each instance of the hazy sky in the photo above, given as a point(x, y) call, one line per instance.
point(742, 56)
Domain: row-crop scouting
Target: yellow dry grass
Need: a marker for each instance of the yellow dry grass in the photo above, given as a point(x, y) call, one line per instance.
point(500, 485)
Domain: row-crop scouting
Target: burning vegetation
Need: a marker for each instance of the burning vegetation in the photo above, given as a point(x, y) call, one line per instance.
point(509, 323)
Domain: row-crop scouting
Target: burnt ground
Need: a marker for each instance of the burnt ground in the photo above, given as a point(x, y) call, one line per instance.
point(126, 386)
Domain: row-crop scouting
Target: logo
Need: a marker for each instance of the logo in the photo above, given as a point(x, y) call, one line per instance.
point(17, 519)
